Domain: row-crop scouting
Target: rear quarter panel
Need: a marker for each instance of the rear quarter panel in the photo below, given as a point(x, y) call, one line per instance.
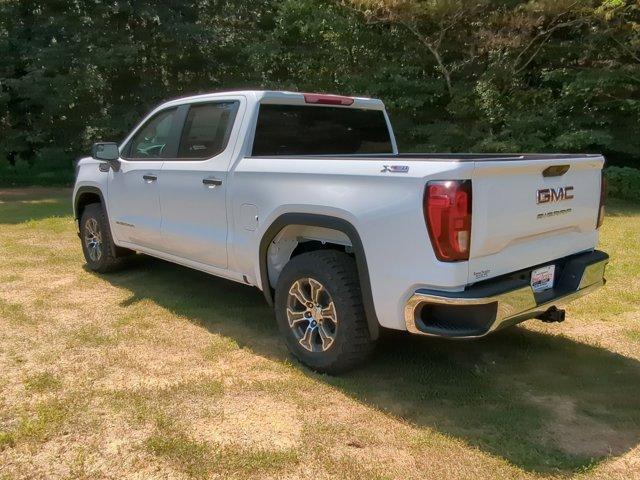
point(385, 208)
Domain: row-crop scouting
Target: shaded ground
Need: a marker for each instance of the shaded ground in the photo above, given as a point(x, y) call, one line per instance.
point(159, 371)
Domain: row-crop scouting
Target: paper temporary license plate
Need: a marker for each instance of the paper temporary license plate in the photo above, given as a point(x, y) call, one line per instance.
point(542, 278)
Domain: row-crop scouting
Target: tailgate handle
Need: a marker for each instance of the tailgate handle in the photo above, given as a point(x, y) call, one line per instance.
point(555, 170)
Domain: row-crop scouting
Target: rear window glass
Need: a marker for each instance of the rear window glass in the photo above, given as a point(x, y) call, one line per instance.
point(315, 130)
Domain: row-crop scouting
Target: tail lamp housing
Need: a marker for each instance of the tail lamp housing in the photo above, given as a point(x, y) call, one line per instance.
point(447, 213)
point(603, 197)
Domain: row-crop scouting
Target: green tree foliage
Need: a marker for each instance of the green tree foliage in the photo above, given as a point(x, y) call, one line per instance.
point(488, 75)
point(623, 182)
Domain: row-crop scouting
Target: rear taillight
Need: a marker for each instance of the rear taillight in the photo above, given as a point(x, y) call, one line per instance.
point(603, 197)
point(447, 212)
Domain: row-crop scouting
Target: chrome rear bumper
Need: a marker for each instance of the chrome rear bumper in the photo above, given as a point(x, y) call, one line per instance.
point(471, 314)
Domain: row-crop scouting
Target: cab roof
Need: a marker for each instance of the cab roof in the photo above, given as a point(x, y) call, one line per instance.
point(287, 98)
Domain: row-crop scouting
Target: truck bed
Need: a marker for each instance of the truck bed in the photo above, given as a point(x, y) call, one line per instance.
point(483, 157)
point(452, 157)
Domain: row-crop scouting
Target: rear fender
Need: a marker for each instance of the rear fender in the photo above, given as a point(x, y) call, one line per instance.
point(327, 222)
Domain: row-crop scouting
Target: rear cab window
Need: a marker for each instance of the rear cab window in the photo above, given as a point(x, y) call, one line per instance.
point(207, 129)
point(320, 130)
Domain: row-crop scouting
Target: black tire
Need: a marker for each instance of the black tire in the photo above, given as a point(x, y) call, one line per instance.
point(110, 257)
point(336, 272)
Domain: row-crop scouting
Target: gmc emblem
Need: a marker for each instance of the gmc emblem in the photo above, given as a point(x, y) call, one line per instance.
point(548, 195)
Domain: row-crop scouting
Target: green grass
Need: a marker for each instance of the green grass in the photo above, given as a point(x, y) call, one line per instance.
point(14, 312)
point(49, 417)
point(194, 458)
point(42, 205)
point(42, 382)
point(89, 336)
point(218, 347)
point(189, 375)
point(633, 335)
point(7, 439)
point(201, 460)
point(39, 424)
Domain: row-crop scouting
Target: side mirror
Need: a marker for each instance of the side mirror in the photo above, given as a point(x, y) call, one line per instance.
point(107, 152)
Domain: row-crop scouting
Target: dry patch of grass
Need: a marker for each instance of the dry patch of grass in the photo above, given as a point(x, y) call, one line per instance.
point(162, 372)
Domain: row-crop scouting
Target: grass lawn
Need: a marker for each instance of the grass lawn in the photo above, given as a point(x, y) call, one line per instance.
point(163, 372)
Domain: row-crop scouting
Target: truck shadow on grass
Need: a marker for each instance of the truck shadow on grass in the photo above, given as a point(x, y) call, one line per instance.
point(544, 403)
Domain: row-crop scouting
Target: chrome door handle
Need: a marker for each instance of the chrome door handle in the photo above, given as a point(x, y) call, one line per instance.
point(211, 182)
point(149, 178)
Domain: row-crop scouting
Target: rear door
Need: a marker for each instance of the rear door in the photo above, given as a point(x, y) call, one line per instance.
point(134, 202)
point(194, 183)
point(528, 212)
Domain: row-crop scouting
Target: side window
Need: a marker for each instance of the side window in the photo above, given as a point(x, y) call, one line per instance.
point(206, 130)
point(151, 140)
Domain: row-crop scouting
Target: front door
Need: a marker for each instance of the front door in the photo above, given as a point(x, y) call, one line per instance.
point(193, 187)
point(134, 200)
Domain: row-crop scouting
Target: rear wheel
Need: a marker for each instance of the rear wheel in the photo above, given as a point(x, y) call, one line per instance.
point(320, 312)
point(100, 253)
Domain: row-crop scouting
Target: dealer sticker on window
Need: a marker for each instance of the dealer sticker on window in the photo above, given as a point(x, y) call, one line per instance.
point(542, 278)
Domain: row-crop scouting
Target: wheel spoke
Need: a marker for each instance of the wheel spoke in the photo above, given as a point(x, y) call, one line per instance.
point(295, 318)
point(316, 290)
point(329, 312)
point(326, 336)
point(91, 227)
point(306, 340)
point(296, 291)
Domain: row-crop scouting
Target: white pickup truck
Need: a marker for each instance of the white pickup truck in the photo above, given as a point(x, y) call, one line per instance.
point(306, 197)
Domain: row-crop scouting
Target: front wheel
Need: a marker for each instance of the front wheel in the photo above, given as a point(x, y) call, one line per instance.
point(320, 313)
point(100, 253)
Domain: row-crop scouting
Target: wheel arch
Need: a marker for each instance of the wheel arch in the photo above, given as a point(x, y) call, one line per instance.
point(84, 196)
point(325, 221)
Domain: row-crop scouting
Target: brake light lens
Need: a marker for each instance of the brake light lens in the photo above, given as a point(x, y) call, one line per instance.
point(447, 213)
point(603, 197)
point(322, 99)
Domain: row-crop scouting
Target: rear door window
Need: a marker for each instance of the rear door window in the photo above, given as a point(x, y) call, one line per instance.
point(316, 130)
point(207, 129)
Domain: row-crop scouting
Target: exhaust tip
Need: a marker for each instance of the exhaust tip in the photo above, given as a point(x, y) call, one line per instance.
point(553, 315)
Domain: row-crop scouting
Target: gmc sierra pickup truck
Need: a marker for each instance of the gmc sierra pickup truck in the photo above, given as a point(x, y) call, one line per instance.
point(306, 197)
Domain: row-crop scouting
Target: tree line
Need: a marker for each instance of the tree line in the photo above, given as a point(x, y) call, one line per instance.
point(456, 75)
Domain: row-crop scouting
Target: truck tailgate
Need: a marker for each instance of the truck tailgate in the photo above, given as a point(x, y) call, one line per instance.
point(523, 217)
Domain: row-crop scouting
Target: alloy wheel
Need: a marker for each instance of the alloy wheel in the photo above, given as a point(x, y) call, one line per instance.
point(93, 239)
point(311, 314)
